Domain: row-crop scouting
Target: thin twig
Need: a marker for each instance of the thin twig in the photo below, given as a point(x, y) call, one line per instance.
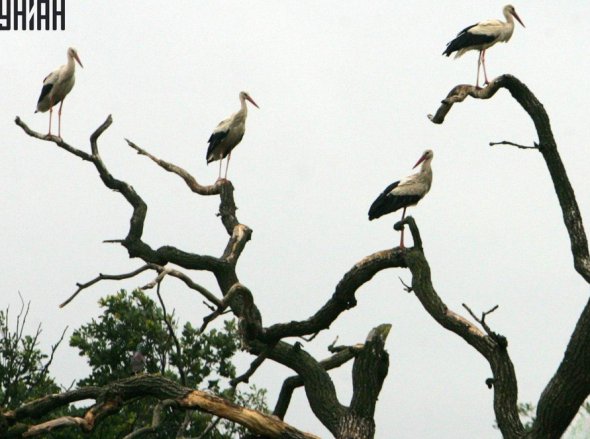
point(309, 338)
point(53, 349)
point(100, 277)
point(208, 305)
point(407, 287)
point(332, 345)
point(194, 286)
point(253, 367)
point(482, 321)
point(173, 335)
point(212, 425)
point(162, 272)
point(209, 318)
point(505, 142)
point(221, 306)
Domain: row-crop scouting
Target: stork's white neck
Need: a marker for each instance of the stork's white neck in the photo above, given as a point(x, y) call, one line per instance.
point(425, 167)
point(507, 29)
point(71, 65)
point(243, 106)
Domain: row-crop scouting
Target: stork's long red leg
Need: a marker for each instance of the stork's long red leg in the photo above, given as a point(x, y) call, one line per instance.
point(59, 118)
point(220, 162)
point(478, 66)
point(227, 165)
point(401, 242)
point(483, 61)
point(50, 114)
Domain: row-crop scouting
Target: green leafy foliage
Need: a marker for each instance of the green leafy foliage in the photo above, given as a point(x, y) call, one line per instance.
point(526, 411)
point(128, 322)
point(108, 342)
point(129, 319)
point(24, 373)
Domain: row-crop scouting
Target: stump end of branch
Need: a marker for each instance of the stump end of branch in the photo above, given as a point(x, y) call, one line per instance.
point(411, 222)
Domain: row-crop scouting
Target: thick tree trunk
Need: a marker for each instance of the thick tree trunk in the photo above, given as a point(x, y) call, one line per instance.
point(353, 426)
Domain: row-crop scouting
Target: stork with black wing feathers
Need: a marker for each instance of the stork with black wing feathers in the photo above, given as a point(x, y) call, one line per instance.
point(404, 193)
point(228, 134)
point(482, 36)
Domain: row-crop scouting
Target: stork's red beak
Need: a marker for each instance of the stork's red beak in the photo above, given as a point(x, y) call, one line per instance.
point(420, 161)
point(252, 100)
point(78, 59)
point(515, 15)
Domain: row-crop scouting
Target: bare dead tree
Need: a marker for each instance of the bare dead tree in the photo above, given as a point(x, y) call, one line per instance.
point(559, 402)
point(266, 343)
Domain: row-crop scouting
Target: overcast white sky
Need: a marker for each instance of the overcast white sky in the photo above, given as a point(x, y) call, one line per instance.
point(344, 88)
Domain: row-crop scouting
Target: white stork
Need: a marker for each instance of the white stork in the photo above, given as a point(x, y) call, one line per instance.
point(405, 192)
point(56, 86)
point(228, 134)
point(483, 35)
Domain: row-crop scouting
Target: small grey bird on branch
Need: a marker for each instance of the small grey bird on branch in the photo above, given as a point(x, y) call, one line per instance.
point(138, 359)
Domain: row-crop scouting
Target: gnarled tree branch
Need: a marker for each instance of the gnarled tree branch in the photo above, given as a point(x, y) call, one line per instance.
point(548, 148)
point(505, 389)
point(570, 385)
point(343, 297)
point(190, 181)
point(112, 397)
point(290, 384)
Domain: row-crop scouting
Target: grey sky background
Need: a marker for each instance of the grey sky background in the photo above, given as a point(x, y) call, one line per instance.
point(344, 88)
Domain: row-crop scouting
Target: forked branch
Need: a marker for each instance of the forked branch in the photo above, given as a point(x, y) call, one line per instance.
point(548, 148)
point(290, 384)
point(505, 390)
point(570, 386)
point(259, 341)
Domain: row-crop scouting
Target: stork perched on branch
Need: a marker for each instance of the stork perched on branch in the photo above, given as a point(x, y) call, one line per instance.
point(228, 134)
point(56, 86)
point(482, 36)
point(405, 192)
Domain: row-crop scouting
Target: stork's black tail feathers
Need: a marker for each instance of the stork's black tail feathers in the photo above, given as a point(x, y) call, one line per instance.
point(388, 202)
point(466, 39)
point(385, 203)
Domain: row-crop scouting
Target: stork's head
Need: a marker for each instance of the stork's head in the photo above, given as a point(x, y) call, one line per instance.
point(427, 156)
point(72, 53)
point(509, 10)
point(246, 96)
